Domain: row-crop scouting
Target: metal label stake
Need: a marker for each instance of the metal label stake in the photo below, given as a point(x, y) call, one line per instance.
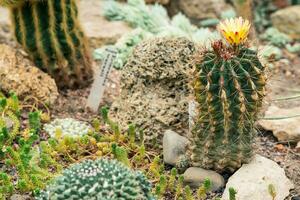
point(101, 76)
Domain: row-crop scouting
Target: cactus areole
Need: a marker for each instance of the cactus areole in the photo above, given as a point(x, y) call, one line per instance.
point(229, 89)
point(50, 32)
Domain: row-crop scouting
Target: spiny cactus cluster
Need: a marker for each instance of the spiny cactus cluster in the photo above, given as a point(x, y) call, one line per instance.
point(101, 179)
point(229, 89)
point(50, 32)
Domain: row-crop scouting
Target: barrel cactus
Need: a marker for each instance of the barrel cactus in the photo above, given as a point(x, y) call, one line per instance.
point(229, 90)
point(49, 30)
point(101, 179)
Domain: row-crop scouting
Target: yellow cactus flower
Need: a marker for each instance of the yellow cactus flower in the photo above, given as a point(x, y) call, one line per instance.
point(235, 30)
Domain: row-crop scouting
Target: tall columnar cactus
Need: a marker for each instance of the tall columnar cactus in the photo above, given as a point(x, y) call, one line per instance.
point(100, 179)
point(50, 32)
point(229, 89)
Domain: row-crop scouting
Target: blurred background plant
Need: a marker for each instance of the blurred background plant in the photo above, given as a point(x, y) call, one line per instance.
point(149, 21)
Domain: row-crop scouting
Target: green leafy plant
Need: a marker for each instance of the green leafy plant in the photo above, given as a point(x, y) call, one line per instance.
point(10, 111)
point(204, 189)
point(6, 185)
point(26, 160)
point(232, 194)
point(120, 154)
point(188, 194)
point(272, 191)
point(34, 122)
point(19, 153)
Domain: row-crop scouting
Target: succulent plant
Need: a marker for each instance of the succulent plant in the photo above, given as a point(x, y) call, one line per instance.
point(66, 127)
point(229, 89)
point(275, 37)
point(101, 179)
point(50, 32)
point(149, 21)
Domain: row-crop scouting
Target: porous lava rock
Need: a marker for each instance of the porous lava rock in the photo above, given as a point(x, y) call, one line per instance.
point(155, 87)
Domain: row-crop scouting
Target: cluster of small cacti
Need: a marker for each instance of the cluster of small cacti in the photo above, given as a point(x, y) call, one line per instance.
point(67, 127)
point(51, 33)
point(229, 88)
point(100, 179)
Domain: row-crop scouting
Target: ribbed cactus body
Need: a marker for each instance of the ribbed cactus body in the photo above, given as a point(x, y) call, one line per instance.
point(102, 180)
point(50, 32)
point(229, 90)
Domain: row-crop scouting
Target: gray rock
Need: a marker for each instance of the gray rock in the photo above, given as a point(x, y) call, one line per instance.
point(199, 9)
point(8, 123)
point(287, 20)
point(19, 197)
point(174, 145)
point(252, 180)
point(99, 30)
point(195, 176)
point(284, 130)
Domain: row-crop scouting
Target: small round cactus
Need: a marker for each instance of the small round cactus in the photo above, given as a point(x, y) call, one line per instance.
point(101, 179)
point(67, 127)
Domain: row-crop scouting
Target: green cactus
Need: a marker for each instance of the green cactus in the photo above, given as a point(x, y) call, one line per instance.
point(229, 89)
point(101, 179)
point(51, 34)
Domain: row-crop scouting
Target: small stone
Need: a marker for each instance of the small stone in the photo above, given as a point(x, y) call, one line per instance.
point(174, 146)
point(252, 180)
point(285, 130)
point(8, 123)
point(19, 197)
point(195, 176)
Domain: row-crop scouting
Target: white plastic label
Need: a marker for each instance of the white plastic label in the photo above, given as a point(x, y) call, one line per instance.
point(101, 76)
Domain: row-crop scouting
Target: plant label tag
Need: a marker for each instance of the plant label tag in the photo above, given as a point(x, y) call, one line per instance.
point(101, 76)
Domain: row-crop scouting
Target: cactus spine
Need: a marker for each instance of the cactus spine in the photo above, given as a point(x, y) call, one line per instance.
point(229, 89)
point(50, 32)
